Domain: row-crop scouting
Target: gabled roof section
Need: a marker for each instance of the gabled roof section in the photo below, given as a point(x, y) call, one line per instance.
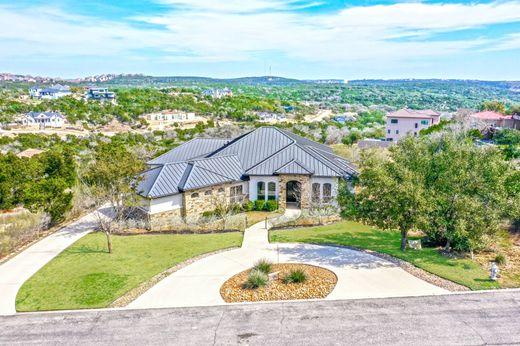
point(212, 171)
point(173, 178)
point(192, 149)
point(293, 167)
point(161, 180)
point(256, 146)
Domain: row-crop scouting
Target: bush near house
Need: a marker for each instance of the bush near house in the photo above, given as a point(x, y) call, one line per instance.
point(272, 205)
point(259, 204)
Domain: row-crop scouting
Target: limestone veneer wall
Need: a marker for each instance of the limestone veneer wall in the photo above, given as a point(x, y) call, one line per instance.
point(305, 189)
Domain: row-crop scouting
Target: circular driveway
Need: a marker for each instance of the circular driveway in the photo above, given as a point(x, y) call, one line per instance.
point(360, 275)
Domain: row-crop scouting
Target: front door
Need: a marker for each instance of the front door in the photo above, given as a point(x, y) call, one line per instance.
point(294, 192)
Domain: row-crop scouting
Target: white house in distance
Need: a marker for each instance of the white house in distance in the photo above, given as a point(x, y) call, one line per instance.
point(170, 116)
point(43, 119)
point(408, 121)
point(100, 94)
point(51, 93)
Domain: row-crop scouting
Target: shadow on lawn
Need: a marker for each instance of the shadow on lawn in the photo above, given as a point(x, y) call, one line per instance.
point(83, 250)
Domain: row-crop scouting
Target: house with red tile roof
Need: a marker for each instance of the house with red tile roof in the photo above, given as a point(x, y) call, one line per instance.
point(491, 119)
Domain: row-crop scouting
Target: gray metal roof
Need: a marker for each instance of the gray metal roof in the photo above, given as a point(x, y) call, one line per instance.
point(264, 151)
point(195, 148)
point(293, 167)
point(172, 178)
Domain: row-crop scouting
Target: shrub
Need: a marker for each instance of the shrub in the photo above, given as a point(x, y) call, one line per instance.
point(272, 205)
point(295, 276)
point(259, 204)
point(264, 266)
point(208, 214)
point(248, 205)
point(500, 259)
point(256, 279)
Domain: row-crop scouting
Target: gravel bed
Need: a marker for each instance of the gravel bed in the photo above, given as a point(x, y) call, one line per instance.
point(320, 282)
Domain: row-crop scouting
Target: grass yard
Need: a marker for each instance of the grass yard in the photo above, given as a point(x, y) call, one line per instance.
point(462, 271)
point(86, 276)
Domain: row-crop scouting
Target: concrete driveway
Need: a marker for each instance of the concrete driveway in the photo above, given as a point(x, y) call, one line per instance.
point(360, 275)
point(20, 268)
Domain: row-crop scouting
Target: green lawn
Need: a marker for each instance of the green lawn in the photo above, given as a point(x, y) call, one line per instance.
point(86, 276)
point(463, 271)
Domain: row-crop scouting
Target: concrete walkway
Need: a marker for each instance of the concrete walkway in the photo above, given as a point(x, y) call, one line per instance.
point(360, 275)
point(20, 268)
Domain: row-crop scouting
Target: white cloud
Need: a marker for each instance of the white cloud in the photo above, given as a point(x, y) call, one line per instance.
point(237, 30)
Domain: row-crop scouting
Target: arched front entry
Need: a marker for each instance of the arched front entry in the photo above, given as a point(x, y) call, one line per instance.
point(294, 193)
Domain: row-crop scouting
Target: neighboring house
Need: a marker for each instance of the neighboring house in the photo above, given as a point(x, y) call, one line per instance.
point(51, 93)
point(218, 93)
point(267, 116)
point(266, 163)
point(101, 94)
point(170, 116)
point(408, 121)
point(491, 119)
point(43, 119)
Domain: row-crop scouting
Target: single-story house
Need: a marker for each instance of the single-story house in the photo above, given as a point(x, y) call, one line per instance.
point(266, 163)
point(43, 119)
point(51, 93)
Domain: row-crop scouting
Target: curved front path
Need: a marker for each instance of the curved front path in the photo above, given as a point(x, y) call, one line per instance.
point(360, 275)
point(17, 270)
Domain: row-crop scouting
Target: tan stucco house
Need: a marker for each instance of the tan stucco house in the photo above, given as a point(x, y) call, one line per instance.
point(266, 163)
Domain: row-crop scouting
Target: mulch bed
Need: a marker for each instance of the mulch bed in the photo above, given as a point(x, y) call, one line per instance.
point(320, 282)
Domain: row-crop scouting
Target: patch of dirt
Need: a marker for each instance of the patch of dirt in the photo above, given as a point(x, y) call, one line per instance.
point(320, 282)
point(509, 275)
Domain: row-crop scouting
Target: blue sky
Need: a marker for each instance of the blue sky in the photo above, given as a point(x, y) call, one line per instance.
point(297, 38)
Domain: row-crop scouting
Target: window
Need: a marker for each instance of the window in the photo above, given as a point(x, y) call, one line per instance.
point(271, 190)
point(195, 195)
point(327, 193)
point(396, 132)
point(425, 122)
point(208, 193)
point(315, 197)
point(260, 190)
point(394, 121)
point(415, 134)
point(416, 125)
point(235, 194)
point(389, 139)
point(221, 190)
point(389, 131)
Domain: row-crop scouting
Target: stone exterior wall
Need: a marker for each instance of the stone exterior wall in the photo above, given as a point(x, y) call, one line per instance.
point(207, 199)
point(158, 221)
point(305, 189)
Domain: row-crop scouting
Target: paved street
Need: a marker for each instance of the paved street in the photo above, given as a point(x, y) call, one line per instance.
point(462, 319)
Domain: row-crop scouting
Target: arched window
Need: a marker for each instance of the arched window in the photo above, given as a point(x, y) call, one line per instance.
point(327, 193)
point(271, 190)
point(194, 195)
point(315, 197)
point(260, 190)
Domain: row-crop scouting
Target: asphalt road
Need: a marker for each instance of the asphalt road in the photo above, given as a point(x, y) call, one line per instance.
point(466, 319)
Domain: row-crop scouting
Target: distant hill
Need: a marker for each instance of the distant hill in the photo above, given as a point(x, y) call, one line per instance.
point(508, 85)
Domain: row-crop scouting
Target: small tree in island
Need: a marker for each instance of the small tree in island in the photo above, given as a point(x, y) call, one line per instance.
point(456, 192)
point(109, 178)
